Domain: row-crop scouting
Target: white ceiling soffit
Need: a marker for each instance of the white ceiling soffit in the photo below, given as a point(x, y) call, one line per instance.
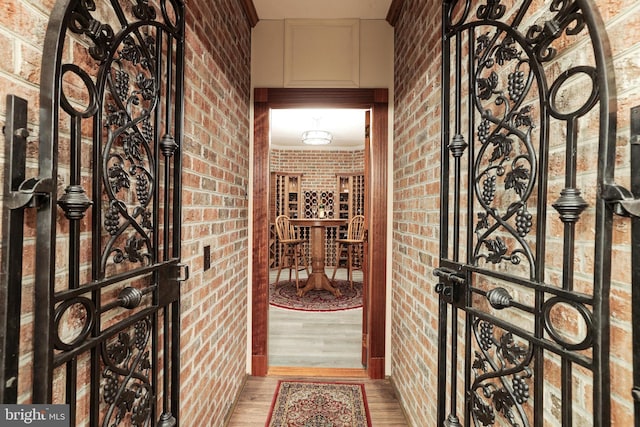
point(322, 9)
point(345, 125)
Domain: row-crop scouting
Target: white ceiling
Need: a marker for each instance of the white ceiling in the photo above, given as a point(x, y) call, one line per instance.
point(322, 9)
point(346, 126)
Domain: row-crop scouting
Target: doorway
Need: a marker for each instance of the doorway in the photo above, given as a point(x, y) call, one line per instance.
point(319, 179)
point(374, 300)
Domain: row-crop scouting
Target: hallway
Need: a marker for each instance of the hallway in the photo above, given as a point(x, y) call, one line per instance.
point(502, 273)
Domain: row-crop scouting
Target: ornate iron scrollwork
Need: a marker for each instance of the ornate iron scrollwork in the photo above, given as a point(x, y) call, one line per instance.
point(522, 85)
point(501, 386)
point(127, 377)
point(111, 122)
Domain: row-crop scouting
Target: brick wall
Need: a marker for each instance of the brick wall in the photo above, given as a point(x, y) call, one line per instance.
point(319, 167)
point(215, 177)
point(416, 212)
point(216, 171)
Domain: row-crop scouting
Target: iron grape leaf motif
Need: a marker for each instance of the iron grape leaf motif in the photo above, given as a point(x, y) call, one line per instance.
point(506, 51)
point(497, 250)
point(132, 144)
point(487, 86)
point(118, 177)
point(124, 404)
point(483, 221)
point(141, 411)
point(115, 117)
point(132, 252)
point(502, 147)
point(503, 403)
point(130, 51)
point(499, 396)
point(144, 215)
point(517, 179)
point(146, 86)
point(482, 43)
point(119, 351)
point(483, 412)
point(523, 117)
point(133, 249)
point(479, 362)
point(510, 350)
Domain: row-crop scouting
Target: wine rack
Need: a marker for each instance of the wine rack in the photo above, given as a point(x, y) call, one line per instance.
point(316, 198)
point(350, 202)
point(285, 200)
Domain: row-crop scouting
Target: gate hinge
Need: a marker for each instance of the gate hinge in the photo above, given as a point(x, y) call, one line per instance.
point(623, 202)
point(27, 192)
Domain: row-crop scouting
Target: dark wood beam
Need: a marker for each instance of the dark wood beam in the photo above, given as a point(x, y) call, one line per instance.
point(250, 11)
point(394, 12)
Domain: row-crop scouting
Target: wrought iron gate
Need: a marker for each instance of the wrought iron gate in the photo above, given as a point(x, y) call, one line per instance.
point(528, 118)
point(105, 287)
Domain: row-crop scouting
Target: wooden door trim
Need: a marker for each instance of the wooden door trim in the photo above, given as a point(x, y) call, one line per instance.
point(376, 100)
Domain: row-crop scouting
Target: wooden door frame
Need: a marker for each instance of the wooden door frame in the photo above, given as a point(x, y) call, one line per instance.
point(377, 101)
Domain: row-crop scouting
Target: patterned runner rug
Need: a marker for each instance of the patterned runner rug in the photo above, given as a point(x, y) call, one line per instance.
point(284, 296)
point(319, 404)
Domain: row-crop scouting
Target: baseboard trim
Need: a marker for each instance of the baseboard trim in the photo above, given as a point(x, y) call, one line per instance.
point(296, 371)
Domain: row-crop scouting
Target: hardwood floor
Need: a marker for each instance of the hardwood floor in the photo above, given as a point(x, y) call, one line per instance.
point(315, 339)
point(252, 409)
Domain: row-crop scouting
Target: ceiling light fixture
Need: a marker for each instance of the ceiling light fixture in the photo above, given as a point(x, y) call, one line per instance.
point(316, 137)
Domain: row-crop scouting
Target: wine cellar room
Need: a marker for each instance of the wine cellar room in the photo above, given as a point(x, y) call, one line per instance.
point(319, 178)
point(320, 181)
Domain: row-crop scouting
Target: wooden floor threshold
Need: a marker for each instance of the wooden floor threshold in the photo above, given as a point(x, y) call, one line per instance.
point(297, 371)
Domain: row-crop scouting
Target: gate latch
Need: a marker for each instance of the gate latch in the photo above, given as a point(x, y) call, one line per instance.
point(624, 204)
point(448, 284)
point(25, 196)
point(627, 202)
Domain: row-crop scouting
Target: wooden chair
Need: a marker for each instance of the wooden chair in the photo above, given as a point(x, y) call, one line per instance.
point(291, 248)
point(355, 236)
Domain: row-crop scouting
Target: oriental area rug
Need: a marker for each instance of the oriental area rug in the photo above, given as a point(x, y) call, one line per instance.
point(319, 404)
point(283, 295)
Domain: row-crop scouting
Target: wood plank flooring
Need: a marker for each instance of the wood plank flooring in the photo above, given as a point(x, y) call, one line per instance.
point(315, 339)
point(252, 409)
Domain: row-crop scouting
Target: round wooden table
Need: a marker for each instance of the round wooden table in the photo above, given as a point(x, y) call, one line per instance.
point(318, 279)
